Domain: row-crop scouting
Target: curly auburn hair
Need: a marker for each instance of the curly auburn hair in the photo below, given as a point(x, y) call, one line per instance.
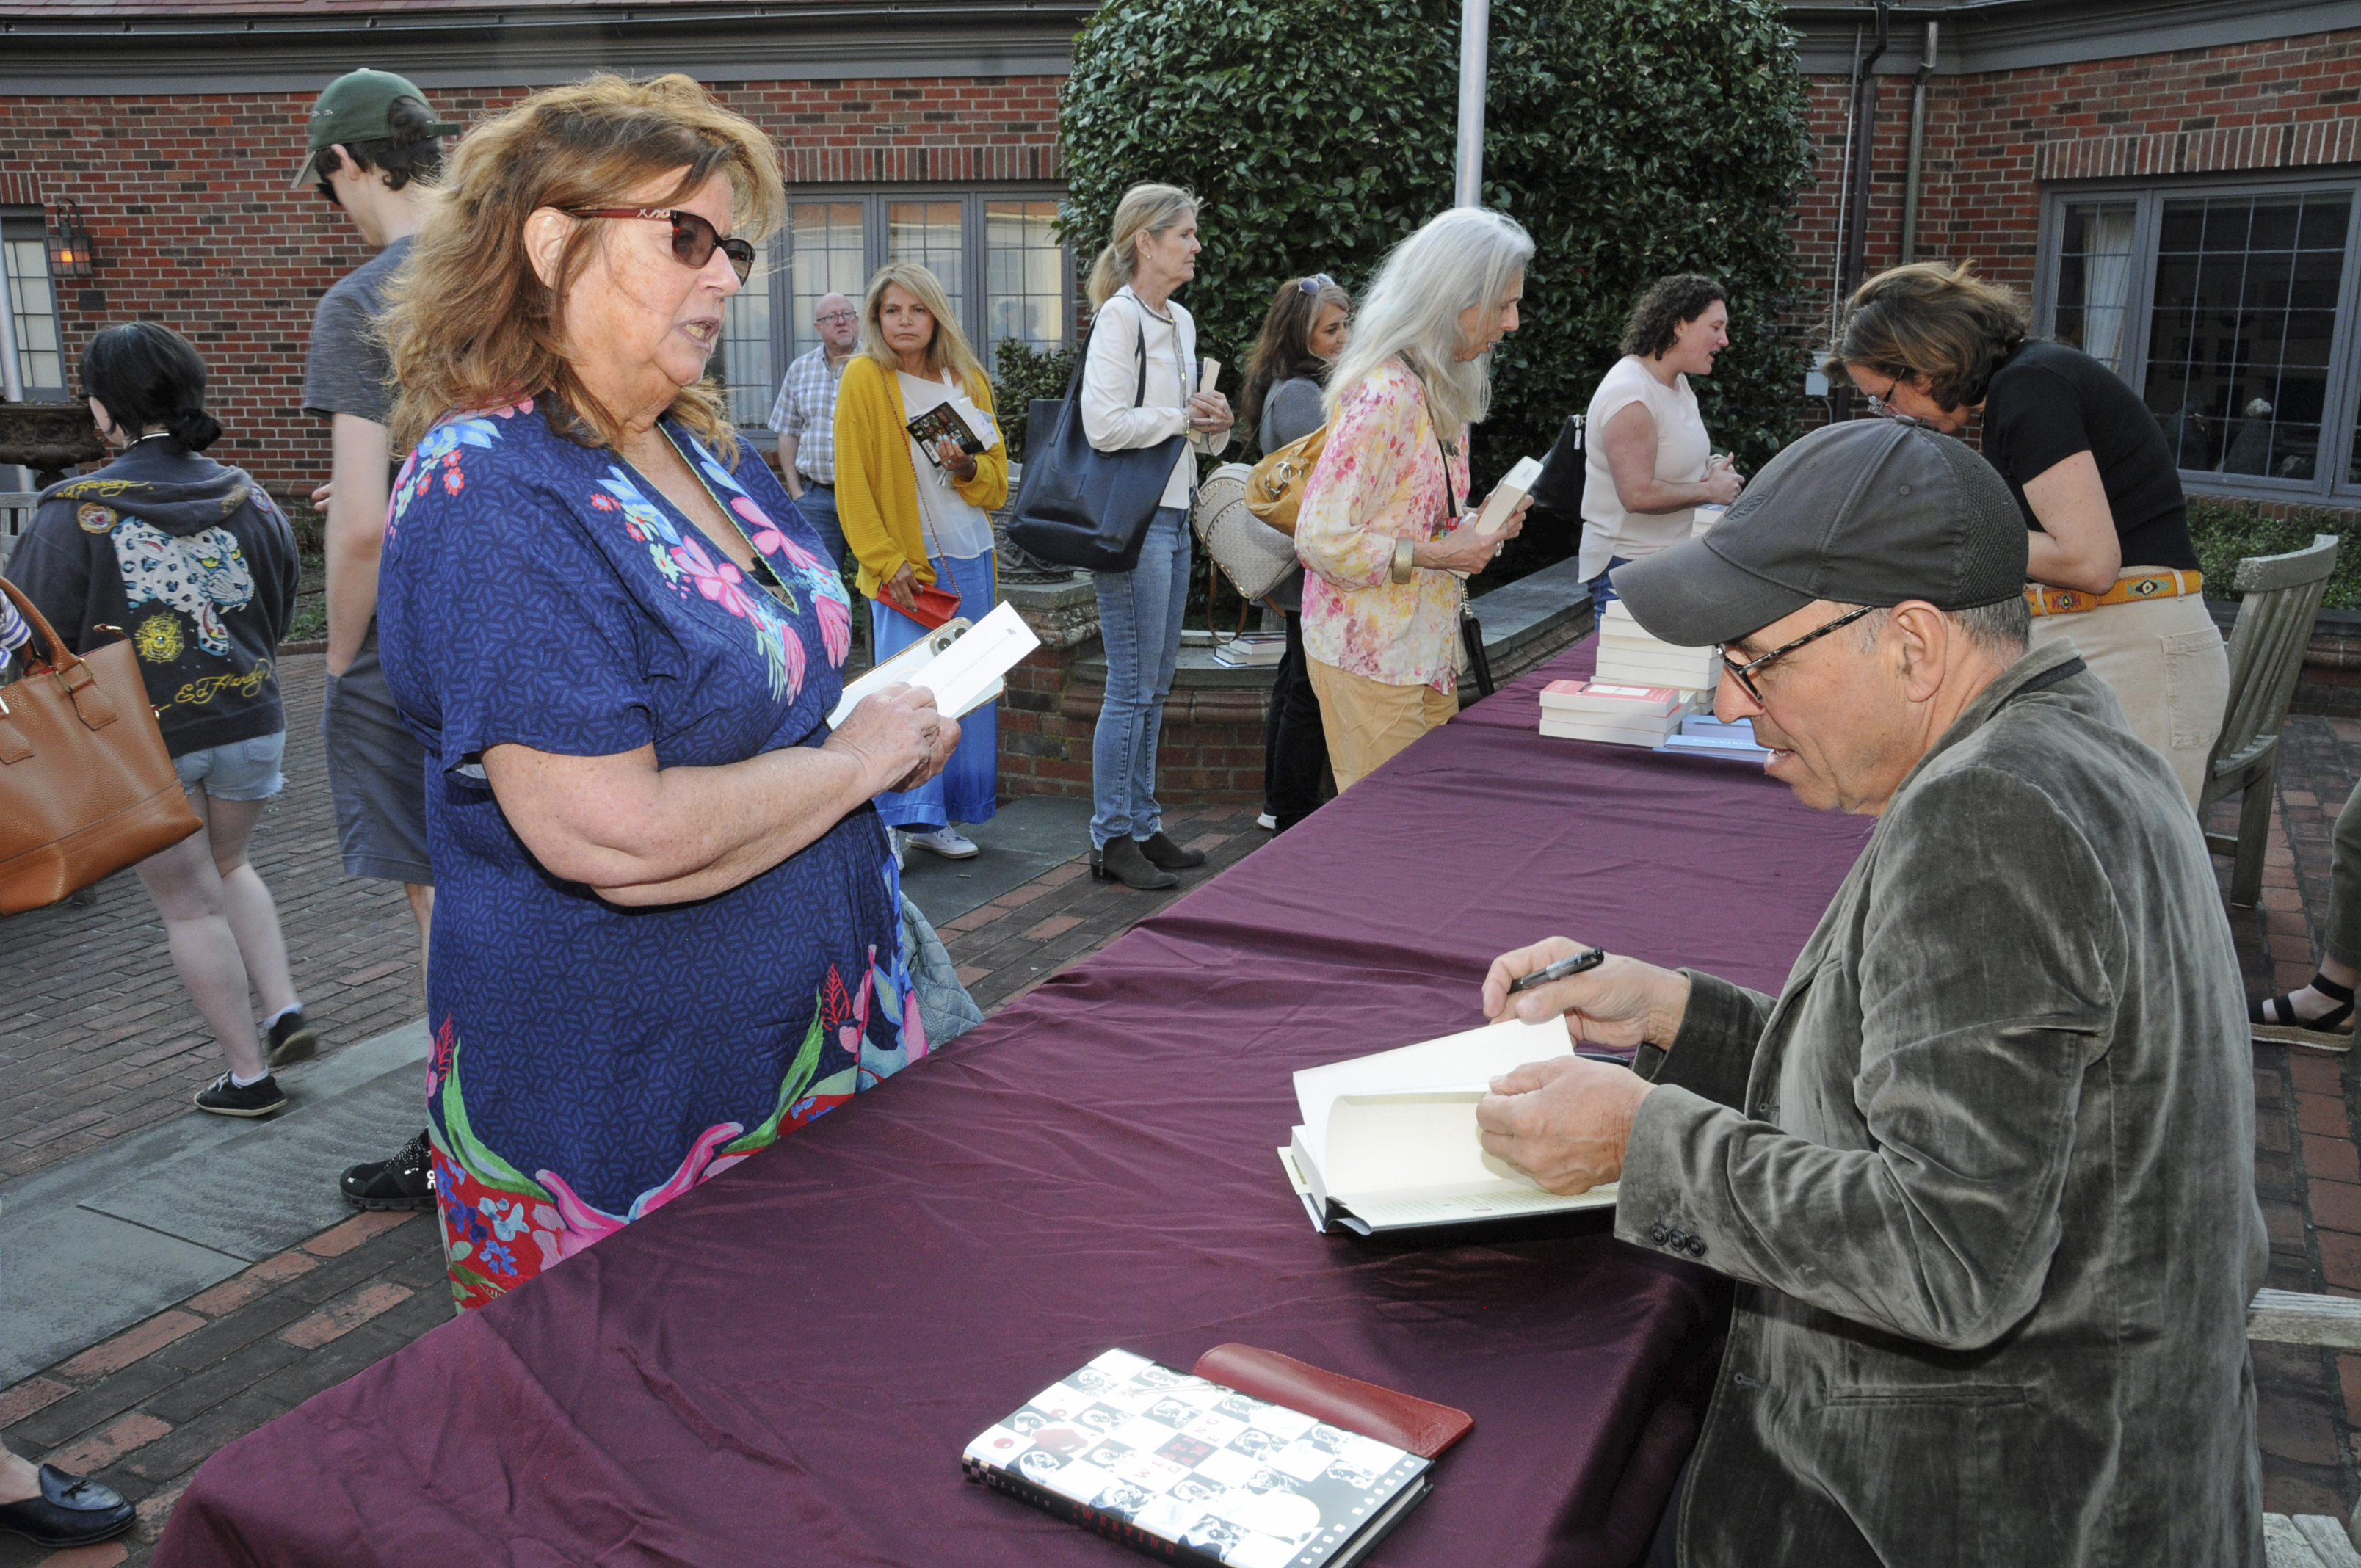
point(473, 327)
point(1926, 319)
point(1669, 303)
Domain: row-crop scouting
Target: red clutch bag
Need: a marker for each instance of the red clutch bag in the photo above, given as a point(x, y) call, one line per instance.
point(1421, 1426)
point(931, 607)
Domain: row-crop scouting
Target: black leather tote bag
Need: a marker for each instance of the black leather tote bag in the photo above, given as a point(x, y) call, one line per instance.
point(1079, 506)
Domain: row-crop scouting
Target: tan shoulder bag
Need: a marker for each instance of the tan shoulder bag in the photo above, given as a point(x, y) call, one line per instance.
point(1275, 488)
point(86, 786)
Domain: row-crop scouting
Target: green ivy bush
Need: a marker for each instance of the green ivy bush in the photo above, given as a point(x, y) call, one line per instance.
point(1025, 373)
point(1633, 137)
point(2225, 532)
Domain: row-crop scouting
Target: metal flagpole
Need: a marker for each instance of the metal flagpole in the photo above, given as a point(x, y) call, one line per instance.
point(1475, 41)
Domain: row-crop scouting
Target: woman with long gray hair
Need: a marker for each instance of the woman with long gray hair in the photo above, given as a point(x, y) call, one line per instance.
point(1139, 388)
point(1379, 526)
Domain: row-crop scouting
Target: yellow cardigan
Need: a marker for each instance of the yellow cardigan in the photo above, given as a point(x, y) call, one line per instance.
point(877, 488)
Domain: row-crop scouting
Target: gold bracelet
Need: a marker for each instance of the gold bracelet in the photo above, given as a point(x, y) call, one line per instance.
point(1405, 552)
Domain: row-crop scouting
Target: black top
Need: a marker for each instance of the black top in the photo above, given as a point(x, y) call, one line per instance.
point(2048, 402)
point(195, 562)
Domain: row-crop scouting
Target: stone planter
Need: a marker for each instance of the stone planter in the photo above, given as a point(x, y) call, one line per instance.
point(48, 438)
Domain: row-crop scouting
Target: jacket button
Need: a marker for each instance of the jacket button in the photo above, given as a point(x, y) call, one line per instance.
point(1657, 1234)
point(1697, 1246)
point(1676, 1239)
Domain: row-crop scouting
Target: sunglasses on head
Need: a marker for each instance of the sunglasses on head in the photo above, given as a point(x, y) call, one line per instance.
point(694, 240)
point(1316, 282)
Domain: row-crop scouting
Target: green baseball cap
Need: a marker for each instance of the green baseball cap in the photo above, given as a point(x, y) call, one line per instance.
point(351, 109)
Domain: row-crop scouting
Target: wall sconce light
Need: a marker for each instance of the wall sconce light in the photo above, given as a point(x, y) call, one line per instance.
point(70, 255)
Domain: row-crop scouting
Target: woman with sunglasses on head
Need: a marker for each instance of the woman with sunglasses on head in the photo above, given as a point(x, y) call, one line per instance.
point(1302, 333)
point(1139, 388)
point(197, 566)
point(917, 516)
point(2112, 565)
point(1649, 464)
point(667, 931)
point(1384, 525)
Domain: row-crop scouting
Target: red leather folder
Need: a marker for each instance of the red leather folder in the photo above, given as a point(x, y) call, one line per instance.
point(1421, 1426)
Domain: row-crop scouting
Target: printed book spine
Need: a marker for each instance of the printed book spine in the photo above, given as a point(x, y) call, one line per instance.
point(1115, 1527)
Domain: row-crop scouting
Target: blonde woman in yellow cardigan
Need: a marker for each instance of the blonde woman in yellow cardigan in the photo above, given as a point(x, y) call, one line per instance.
point(919, 518)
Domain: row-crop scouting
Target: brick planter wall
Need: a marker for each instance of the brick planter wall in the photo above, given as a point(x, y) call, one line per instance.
point(1210, 751)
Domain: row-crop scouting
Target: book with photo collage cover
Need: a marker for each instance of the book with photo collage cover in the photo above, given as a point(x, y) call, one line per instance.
point(1187, 1471)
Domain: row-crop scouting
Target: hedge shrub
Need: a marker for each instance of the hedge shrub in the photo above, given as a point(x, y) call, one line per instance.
point(1633, 137)
point(2225, 531)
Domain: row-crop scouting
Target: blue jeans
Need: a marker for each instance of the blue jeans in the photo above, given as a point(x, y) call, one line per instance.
point(818, 505)
point(968, 788)
point(1139, 618)
point(1601, 590)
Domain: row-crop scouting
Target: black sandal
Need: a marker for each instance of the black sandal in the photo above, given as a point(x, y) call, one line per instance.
point(2332, 1031)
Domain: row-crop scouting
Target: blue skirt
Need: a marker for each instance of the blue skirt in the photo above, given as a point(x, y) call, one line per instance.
point(968, 789)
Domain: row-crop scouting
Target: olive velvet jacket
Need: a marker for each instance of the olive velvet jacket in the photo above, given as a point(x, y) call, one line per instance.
point(1984, 1171)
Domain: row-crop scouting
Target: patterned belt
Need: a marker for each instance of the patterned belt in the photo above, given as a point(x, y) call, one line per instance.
point(2167, 583)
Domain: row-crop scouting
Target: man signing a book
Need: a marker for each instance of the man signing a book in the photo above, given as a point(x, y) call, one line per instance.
point(1984, 1171)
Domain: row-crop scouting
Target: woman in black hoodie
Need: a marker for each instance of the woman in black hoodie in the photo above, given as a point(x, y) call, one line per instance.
point(195, 563)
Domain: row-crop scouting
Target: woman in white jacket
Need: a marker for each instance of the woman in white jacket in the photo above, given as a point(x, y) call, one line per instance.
point(1152, 252)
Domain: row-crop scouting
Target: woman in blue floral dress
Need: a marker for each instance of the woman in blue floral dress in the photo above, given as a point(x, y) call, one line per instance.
point(667, 927)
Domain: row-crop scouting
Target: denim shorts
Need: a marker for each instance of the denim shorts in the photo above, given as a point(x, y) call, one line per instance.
point(236, 770)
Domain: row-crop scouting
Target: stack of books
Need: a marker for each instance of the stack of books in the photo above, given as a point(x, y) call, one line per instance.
point(1253, 650)
point(1614, 712)
point(1629, 656)
point(1703, 735)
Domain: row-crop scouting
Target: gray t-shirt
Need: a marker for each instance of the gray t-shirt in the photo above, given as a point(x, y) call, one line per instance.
point(348, 370)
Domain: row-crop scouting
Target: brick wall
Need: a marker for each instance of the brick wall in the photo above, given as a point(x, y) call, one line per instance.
point(1992, 139)
point(194, 225)
point(1209, 751)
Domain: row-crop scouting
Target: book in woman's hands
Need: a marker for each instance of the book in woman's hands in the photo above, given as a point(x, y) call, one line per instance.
point(1186, 1470)
point(964, 666)
point(955, 419)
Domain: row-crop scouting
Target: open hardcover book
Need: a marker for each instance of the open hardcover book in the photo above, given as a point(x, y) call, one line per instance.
point(1183, 1469)
point(1389, 1142)
point(962, 664)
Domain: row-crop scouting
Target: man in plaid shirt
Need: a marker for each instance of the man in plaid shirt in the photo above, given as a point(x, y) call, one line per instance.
point(805, 417)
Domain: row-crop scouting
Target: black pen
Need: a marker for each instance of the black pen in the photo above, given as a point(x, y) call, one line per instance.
point(1590, 958)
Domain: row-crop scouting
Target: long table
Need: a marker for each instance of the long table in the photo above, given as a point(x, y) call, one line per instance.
point(783, 1365)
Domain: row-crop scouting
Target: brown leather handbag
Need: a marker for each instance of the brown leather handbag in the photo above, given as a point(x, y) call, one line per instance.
point(86, 786)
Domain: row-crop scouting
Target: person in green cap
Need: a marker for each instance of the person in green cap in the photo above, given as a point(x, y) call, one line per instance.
point(372, 139)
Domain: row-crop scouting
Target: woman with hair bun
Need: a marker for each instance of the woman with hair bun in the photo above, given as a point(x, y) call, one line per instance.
point(193, 561)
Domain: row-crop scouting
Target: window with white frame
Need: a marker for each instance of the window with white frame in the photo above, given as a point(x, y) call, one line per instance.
point(2230, 307)
point(997, 254)
point(40, 368)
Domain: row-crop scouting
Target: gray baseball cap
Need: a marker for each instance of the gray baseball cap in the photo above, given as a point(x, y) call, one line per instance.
point(1871, 511)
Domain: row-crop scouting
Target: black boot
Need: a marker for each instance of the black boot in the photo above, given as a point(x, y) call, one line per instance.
point(1162, 851)
point(1122, 861)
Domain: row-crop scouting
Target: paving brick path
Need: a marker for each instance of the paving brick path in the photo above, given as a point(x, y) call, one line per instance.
point(98, 1039)
point(144, 1407)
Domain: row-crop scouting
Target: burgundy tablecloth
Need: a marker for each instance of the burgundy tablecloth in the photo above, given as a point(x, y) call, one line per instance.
point(782, 1365)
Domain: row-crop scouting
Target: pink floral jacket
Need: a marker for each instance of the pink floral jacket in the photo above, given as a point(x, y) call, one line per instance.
point(1380, 478)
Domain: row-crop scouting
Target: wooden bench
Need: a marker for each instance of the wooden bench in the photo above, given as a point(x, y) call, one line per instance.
point(2332, 1322)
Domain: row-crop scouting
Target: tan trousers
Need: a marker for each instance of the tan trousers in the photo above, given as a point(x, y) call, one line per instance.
point(2168, 667)
point(1367, 721)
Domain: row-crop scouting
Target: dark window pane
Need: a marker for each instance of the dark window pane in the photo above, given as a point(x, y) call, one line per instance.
point(2240, 334)
point(2325, 219)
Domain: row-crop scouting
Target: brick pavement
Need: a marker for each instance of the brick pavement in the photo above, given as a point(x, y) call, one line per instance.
point(98, 1037)
point(145, 1407)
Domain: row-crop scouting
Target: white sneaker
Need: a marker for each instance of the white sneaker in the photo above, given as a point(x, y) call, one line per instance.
point(1266, 822)
point(948, 842)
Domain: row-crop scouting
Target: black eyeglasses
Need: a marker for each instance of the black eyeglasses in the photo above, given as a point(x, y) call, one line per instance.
point(1744, 674)
point(694, 240)
point(1882, 407)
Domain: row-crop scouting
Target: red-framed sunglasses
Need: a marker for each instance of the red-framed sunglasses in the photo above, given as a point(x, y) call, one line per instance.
point(694, 240)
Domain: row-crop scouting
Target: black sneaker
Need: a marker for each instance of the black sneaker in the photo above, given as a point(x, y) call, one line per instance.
point(223, 1097)
point(293, 1040)
point(405, 1181)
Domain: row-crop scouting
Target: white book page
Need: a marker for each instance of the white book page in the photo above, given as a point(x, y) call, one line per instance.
point(1453, 1061)
point(902, 667)
point(1397, 1213)
point(964, 675)
point(1384, 1145)
point(977, 421)
point(1513, 488)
